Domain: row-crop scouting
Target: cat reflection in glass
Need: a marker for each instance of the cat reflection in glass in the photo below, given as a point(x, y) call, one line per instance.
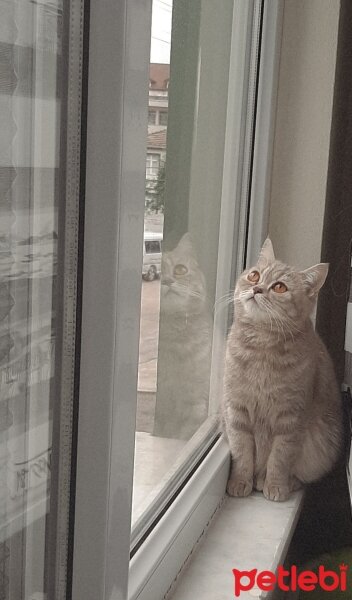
point(184, 344)
point(281, 408)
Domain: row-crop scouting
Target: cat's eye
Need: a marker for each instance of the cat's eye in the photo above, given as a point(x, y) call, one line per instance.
point(253, 276)
point(279, 288)
point(180, 270)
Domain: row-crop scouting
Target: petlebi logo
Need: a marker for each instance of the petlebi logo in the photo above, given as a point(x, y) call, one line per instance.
point(290, 580)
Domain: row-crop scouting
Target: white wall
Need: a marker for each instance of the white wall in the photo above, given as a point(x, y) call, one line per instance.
point(301, 147)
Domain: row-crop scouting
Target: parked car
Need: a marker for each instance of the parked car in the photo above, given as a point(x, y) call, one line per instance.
point(151, 255)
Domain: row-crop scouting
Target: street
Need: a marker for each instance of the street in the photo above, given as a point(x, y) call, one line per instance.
point(148, 353)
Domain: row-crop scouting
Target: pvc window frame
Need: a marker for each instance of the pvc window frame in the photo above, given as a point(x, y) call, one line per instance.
point(114, 215)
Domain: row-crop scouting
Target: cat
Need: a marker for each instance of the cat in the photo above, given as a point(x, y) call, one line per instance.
point(281, 407)
point(185, 338)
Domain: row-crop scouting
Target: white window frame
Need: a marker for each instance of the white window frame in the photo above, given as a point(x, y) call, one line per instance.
point(114, 220)
point(151, 169)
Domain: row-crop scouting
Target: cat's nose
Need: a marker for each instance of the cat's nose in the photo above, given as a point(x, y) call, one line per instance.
point(167, 280)
point(257, 289)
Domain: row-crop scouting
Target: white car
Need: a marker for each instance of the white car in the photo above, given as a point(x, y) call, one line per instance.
point(151, 255)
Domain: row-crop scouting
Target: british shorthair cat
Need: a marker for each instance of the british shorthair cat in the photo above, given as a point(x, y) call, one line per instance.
point(185, 338)
point(281, 408)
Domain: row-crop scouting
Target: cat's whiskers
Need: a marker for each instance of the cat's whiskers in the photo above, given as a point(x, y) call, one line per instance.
point(278, 320)
point(245, 293)
point(280, 324)
point(269, 315)
point(182, 286)
point(224, 297)
point(293, 324)
point(291, 327)
point(223, 303)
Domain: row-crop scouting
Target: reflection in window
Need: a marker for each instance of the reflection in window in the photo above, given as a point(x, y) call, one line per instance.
point(151, 117)
point(162, 118)
point(153, 163)
point(31, 52)
point(185, 150)
point(152, 247)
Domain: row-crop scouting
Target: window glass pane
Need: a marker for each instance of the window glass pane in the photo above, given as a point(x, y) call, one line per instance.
point(183, 202)
point(152, 247)
point(153, 165)
point(151, 117)
point(162, 117)
point(30, 173)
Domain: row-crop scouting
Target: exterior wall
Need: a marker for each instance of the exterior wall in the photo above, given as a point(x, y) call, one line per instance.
point(158, 102)
point(301, 147)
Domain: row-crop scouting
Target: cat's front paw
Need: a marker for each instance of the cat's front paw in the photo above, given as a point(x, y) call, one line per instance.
point(276, 491)
point(239, 487)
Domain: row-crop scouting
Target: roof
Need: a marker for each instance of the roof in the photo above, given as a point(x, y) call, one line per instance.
point(159, 75)
point(157, 139)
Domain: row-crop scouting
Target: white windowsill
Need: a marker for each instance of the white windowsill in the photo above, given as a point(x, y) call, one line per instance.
point(153, 457)
point(247, 533)
point(244, 534)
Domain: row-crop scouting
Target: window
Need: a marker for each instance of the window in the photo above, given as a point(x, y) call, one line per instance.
point(151, 117)
point(177, 309)
point(40, 91)
point(162, 117)
point(180, 461)
point(153, 164)
point(152, 247)
point(109, 495)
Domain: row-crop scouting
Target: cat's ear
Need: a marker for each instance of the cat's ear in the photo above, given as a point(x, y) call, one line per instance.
point(266, 255)
point(314, 278)
point(185, 243)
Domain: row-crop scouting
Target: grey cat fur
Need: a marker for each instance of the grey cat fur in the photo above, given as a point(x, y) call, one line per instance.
point(184, 345)
point(281, 408)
